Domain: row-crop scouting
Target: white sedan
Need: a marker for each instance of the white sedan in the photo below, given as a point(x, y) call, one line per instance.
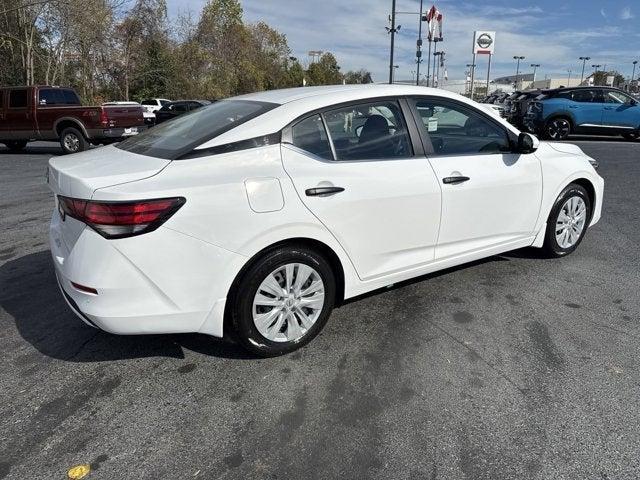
point(257, 215)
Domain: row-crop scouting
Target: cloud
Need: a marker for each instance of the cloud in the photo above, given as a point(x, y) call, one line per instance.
point(626, 14)
point(603, 13)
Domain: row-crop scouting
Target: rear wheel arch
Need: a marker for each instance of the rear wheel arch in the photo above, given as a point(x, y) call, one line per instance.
point(64, 123)
point(316, 245)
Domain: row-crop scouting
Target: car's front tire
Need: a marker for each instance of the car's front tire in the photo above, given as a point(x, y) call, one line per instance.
point(558, 128)
point(283, 300)
point(72, 141)
point(568, 221)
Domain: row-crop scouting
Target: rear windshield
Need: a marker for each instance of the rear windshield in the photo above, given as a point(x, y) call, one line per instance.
point(180, 135)
point(149, 102)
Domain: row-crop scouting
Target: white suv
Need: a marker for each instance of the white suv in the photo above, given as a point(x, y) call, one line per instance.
point(152, 105)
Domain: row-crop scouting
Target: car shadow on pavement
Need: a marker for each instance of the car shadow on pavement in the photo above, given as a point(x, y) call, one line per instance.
point(29, 294)
point(53, 149)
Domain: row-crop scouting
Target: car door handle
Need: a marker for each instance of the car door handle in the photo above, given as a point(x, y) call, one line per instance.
point(608, 108)
point(573, 106)
point(455, 180)
point(318, 191)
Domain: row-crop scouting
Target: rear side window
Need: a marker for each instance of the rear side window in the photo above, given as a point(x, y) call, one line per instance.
point(70, 97)
point(368, 131)
point(310, 136)
point(149, 102)
point(18, 98)
point(179, 136)
point(586, 96)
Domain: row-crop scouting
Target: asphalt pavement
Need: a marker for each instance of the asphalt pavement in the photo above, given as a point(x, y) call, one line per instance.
point(514, 367)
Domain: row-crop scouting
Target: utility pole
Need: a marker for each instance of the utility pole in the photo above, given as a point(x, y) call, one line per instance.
point(584, 61)
point(392, 31)
point(635, 62)
point(435, 56)
point(518, 58)
point(569, 79)
point(419, 45)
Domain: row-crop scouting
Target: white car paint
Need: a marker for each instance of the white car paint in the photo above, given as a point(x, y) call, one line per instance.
point(394, 221)
point(152, 105)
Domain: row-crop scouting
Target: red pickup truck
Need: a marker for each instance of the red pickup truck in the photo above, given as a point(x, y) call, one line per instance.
point(55, 113)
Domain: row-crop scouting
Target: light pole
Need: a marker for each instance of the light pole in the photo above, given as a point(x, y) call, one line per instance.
point(392, 31)
point(635, 62)
point(584, 61)
point(518, 58)
point(393, 75)
point(419, 45)
point(595, 70)
point(569, 79)
point(535, 67)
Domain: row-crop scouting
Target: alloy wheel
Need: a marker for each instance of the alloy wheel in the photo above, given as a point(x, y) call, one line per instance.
point(559, 129)
point(71, 142)
point(571, 221)
point(288, 302)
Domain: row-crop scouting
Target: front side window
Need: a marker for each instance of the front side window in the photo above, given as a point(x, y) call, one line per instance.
point(619, 98)
point(310, 136)
point(454, 129)
point(18, 98)
point(182, 134)
point(368, 131)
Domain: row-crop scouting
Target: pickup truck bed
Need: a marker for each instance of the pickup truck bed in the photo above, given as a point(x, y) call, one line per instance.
point(54, 113)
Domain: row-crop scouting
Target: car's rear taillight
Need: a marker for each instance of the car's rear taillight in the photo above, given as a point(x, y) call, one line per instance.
point(104, 119)
point(121, 219)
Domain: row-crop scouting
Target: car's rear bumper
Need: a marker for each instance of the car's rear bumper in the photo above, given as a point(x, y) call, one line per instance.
point(160, 282)
point(115, 133)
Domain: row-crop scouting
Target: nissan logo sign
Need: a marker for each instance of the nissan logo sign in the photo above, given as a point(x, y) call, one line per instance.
point(484, 40)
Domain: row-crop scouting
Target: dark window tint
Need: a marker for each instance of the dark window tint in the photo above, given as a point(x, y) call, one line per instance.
point(50, 96)
point(368, 131)
point(149, 102)
point(585, 96)
point(164, 102)
point(194, 105)
point(1, 99)
point(71, 98)
point(454, 129)
point(179, 107)
point(18, 98)
point(310, 135)
point(182, 134)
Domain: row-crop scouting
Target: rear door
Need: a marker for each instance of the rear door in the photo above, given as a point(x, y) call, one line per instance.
point(19, 122)
point(587, 107)
point(490, 196)
point(620, 111)
point(357, 171)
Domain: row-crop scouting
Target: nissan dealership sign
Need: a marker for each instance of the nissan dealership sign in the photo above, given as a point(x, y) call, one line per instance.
point(484, 43)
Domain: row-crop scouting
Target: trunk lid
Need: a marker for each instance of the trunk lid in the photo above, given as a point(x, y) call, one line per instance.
point(80, 175)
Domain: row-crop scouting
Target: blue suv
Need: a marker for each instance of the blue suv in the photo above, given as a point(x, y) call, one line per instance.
point(586, 110)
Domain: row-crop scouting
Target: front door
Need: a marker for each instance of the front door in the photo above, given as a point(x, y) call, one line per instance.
point(490, 196)
point(621, 110)
point(355, 170)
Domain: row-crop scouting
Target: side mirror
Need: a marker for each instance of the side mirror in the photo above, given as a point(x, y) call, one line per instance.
point(359, 130)
point(527, 143)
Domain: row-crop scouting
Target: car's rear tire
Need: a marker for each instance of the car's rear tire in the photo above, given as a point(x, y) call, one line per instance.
point(568, 221)
point(283, 300)
point(72, 141)
point(16, 145)
point(632, 136)
point(558, 128)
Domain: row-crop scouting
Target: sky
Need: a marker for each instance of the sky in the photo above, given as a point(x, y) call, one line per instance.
point(552, 33)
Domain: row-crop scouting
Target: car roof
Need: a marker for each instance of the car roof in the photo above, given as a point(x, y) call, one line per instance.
point(348, 92)
point(294, 103)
